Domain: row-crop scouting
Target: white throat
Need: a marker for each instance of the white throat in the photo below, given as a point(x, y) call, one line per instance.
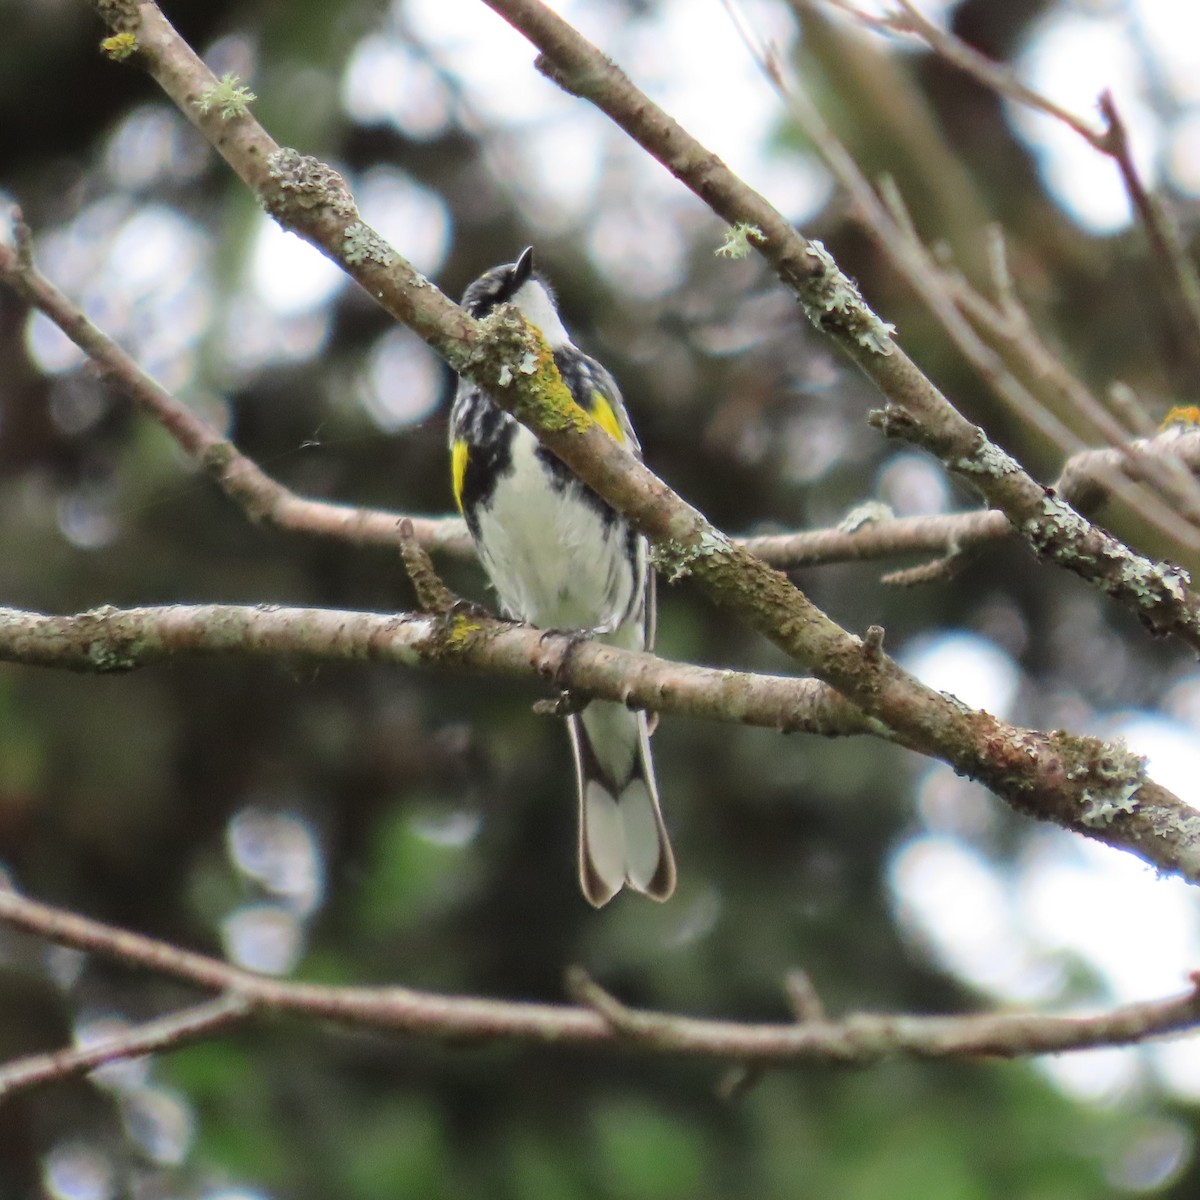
point(538, 309)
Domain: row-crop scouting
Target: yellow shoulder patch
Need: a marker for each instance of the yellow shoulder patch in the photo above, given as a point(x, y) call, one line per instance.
point(606, 418)
point(1181, 414)
point(458, 469)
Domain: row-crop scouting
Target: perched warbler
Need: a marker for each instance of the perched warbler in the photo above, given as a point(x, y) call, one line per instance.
point(559, 557)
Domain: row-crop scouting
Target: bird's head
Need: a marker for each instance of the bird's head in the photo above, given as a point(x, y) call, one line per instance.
point(519, 284)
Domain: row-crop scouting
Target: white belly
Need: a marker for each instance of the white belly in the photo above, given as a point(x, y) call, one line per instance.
point(560, 566)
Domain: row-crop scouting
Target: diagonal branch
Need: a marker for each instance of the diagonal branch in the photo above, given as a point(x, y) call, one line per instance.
point(1096, 789)
point(178, 1029)
point(603, 1022)
point(916, 411)
point(263, 499)
point(1176, 269)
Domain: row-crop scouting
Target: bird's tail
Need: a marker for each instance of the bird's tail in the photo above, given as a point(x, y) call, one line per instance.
point(622, 839)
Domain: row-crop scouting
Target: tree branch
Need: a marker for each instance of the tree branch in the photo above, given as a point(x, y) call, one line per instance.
point(951, 299)
point(110, 640)
point(604, 1022)
point(178, 1029)
point(263, 499)
point(1094, 788)
point(1178, 273)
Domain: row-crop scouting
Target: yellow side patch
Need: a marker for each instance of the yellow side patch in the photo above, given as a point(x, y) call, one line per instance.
point(458, 469)
point(606, 418)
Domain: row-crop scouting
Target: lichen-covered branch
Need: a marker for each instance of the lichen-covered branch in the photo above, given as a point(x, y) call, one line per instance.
point(108, 640)
point(1092, 787)
point(598, 1020)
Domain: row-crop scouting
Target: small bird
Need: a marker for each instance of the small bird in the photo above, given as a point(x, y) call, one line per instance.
point(560, 558)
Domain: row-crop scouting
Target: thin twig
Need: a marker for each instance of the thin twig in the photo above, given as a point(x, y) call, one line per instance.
point(803, 997)
point(433, 596)
point(1131, 409)
point(1178, 272)
point(1170, 254)
point(166, 1033)
point(859, 1038)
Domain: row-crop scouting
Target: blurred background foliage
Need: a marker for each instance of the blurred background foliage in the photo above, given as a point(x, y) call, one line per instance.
point(360, 824)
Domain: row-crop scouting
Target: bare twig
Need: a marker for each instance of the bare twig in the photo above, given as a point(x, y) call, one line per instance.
point(433, 595)
point(938, 570)
point(858, 1039)
point(178, 1029)
point(997, 76)
point(803, 997)
point(1175, 267)
point(1130, 409)
point(1178, 272)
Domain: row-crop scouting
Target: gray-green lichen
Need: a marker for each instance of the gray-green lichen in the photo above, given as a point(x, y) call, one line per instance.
point(1181, 827)
point(107, 651)
point(301, 184)
point(121, 16)
point(870, 512)
point(1113, 774)
point(227, 96)
point(361, 244)
point(986, 459)
point(527, 366)
point(1154, 582)
point(830, 297)
point(737, 240)
point(673, 558)
point(1060, 532)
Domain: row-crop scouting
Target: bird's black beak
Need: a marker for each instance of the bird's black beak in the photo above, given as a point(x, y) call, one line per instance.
point(522, 269)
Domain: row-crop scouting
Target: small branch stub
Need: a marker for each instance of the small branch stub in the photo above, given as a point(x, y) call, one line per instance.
point(433, 596)
point(873, 644)
point(803, 997)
